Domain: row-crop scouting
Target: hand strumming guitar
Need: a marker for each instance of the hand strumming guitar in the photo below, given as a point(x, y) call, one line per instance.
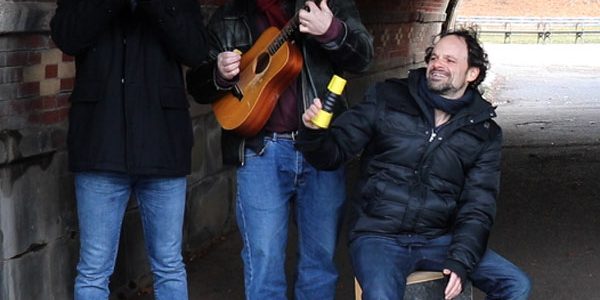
point(315, 20)
point(228, 64)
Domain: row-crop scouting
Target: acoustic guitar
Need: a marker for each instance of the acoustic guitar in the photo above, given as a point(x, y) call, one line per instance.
point(266, 70)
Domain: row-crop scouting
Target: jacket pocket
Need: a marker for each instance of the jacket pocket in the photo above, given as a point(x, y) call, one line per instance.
point(86, 92)
point(173, 98)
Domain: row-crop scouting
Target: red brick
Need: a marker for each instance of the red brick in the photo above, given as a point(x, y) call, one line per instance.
point(51, 71)
point(62, 100)
point(46, 117)
point(67, 58)
point(25, 42)
point(20, 58)
point(34, 104)
point(63, 113)
point(49, 102)
point(50, 117)
point(28, 89)
point(66, 84)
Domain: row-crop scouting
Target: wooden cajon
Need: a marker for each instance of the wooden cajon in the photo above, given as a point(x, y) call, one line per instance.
point(422, 278)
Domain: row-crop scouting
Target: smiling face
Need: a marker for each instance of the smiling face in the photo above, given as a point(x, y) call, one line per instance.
point(448, 72)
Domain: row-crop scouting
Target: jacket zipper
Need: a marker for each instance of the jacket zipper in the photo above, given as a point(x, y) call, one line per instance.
point(433, 135)
point(123, 93)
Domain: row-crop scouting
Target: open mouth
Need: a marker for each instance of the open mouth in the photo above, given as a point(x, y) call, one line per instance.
point(437, 75)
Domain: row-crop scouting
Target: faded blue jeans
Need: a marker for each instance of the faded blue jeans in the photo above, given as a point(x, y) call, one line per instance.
point(101, 202)
point(381, 265)
point(268, 187)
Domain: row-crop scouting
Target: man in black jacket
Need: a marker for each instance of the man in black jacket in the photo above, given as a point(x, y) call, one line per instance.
point(430, 172)
point(130, 129)
point(272, 176)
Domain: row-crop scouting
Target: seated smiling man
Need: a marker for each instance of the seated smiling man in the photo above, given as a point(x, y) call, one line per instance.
point(429, 178)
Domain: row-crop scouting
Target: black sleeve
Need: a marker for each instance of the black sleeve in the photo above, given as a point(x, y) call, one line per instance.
point(77, 24)
point(476, 208)
point(200, 80)
point(345, 139)
point(179, 25)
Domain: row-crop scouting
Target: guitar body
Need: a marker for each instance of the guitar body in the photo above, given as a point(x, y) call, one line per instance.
point(263, 78)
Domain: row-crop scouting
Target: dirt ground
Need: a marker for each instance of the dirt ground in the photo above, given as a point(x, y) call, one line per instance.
point(547, 221)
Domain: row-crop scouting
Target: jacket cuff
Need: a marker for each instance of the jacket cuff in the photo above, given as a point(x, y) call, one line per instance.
point(458, 268)
point(337, 37)
point(309, 139)
point(333, 33)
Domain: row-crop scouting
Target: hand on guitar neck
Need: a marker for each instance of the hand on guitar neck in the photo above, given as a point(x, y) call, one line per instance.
point(315, 19)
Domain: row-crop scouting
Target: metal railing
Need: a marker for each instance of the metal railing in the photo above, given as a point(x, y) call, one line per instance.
point(543, 28)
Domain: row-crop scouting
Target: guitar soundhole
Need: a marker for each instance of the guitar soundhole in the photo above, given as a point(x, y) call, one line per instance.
point(262, 62)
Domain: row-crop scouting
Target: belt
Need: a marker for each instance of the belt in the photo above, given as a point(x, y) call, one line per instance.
point(282, 135)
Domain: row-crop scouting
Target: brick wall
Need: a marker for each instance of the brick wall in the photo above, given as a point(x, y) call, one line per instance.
point(547, 8)
point(401, 31)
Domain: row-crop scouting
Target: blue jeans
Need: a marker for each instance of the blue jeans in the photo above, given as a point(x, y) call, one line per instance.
point(382, 264)
point(268, 186)
point(101, 202)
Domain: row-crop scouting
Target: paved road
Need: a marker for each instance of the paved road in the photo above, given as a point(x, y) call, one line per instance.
point(546, 94)
point(549, 107)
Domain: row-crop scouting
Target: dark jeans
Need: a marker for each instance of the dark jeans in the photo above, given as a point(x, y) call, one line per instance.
point(382, 264)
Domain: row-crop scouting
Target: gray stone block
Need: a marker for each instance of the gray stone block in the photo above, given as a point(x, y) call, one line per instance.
point(37, 203)
point(45, 272)
point(25, 16)
point(210, 210)
point(206, 153)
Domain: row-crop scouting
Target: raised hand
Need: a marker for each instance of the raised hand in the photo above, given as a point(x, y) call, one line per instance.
point(310, 113)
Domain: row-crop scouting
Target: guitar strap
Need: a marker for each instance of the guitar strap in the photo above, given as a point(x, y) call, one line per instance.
point(274, 11)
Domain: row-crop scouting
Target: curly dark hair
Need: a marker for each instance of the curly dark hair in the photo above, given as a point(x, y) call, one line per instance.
point(477, 56)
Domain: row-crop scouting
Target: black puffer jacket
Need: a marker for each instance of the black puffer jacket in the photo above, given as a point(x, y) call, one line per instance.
point(129, 111)
point(410, 180)
point(233, 27)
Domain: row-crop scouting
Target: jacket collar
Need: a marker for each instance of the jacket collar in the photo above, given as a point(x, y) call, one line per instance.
point(479, 110)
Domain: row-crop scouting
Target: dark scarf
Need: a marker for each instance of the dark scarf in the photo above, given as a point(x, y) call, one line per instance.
point(434, 100)
point(274, 12)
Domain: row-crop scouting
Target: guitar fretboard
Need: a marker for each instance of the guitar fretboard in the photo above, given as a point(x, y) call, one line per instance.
point(284, 35)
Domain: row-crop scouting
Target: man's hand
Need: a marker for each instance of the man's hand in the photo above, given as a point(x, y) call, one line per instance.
point(315, 20)
point(228, 64)
point(310, 113)
point(454, 286)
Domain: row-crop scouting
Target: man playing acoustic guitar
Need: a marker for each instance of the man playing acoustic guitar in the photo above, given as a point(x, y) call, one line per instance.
point(275, 78)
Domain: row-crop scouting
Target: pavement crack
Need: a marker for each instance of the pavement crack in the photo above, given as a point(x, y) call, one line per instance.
point(35, 247)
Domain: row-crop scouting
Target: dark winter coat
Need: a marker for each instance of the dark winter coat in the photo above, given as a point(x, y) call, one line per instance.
point(129, 111)
point(233, 27)
point(413, 181)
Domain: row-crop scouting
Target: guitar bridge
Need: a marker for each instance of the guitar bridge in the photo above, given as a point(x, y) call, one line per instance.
point(237, 92)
